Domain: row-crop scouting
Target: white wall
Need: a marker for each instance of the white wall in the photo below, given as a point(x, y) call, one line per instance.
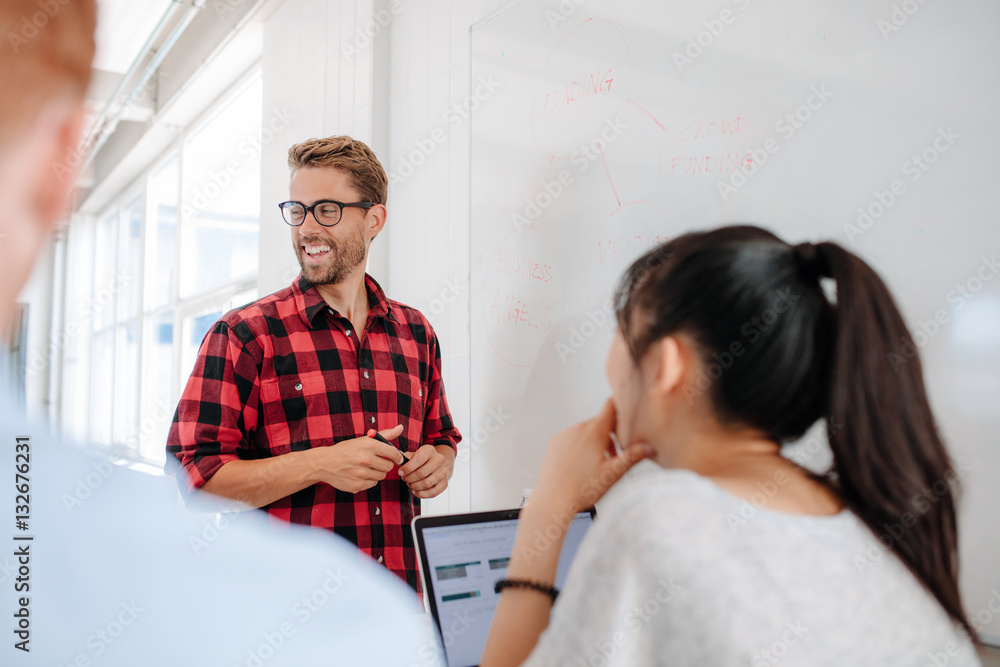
point(307, 79)
point(392, 90)
point(428, 161)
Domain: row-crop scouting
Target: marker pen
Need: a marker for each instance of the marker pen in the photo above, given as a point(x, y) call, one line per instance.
point(372, 433)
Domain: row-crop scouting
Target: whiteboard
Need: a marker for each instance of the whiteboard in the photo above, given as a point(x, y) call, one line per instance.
point(866, 122)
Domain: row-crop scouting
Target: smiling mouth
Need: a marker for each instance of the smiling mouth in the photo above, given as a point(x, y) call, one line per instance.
point(315, 253)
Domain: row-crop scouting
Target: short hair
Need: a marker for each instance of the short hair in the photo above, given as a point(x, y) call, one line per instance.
point(342, 152)
point(46, 52)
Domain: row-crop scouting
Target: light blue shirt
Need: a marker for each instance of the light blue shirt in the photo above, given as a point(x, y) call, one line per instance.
point(118, 574)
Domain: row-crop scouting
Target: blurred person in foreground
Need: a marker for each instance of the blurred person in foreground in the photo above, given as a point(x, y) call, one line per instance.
point(725, 552)
point(99, 565)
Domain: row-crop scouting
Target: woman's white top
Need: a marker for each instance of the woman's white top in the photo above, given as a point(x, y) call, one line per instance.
point(677, 571)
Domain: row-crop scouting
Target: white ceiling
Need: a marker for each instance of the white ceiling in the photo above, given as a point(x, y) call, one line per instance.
point(123, 26)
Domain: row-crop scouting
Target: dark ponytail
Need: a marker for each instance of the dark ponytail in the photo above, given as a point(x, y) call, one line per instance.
point(891, 464)
point(781, 353)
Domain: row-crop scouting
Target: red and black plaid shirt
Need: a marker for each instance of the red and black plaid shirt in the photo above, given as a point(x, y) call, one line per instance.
point(286, 373)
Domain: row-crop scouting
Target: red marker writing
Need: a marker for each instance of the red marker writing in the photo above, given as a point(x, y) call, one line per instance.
point(372, 433)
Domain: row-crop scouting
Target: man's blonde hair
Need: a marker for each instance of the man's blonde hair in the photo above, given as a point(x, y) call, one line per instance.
point(342, 152)
point(46, 51)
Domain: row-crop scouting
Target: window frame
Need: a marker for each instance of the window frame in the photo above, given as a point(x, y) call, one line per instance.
point(221, 296)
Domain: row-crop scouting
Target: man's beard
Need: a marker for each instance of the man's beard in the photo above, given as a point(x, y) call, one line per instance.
point(343, 259)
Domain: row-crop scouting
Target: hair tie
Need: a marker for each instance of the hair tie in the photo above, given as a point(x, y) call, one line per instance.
point(809, 261)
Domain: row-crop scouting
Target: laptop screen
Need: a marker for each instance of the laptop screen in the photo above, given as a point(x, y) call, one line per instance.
point(462, 558)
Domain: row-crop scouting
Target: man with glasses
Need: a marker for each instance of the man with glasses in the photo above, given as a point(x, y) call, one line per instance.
point(99, 565)
point(285, 391)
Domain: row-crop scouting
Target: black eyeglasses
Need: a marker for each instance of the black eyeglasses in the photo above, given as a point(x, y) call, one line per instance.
point(326, 211)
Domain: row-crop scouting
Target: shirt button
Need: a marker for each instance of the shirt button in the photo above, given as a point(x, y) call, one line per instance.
point(420, 392)
point(378, 510)
point(298, 386)
point(373, 419)
point(348, 332)
point(379, 559)
point(366, 375)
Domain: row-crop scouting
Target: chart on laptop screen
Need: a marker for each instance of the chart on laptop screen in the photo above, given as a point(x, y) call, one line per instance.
point(464, 563)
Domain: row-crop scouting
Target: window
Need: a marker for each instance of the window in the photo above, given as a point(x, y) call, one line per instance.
point(221, 209)
point(129, 275)
point(78, 319)
point(161, 254)
point(102, 304)
point(153, 272)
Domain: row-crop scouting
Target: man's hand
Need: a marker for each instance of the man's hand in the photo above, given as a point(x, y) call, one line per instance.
point(429, 470)
point(358, 464)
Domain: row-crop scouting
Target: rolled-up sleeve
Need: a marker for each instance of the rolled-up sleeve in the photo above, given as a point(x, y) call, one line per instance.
point(217, 411)
point(439, 428)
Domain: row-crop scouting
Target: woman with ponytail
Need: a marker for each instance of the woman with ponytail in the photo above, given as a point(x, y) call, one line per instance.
point(730, 344)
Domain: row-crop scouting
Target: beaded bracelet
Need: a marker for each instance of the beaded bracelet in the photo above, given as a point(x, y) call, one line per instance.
point(523, 583)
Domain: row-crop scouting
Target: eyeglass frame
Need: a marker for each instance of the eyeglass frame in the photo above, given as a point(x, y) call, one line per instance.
point(307, 209)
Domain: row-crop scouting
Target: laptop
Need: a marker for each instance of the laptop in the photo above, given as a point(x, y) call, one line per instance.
point(462, 556)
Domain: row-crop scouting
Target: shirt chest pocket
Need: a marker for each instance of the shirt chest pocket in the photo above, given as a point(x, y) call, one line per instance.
point(399, 398)
point(408, 398)
point(297, 413)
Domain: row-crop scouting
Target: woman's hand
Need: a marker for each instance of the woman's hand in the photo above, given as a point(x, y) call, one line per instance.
point(581, 464)
point(579, 467)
